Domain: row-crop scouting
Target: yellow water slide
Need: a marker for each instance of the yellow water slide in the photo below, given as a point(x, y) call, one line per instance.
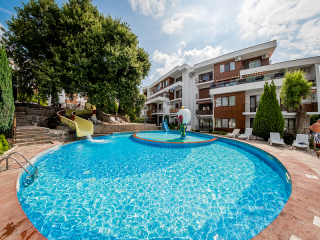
point(69, 118)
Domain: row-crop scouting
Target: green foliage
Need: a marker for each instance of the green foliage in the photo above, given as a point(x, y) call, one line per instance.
point(77, 49)
point(197, 130)
point(314, 119)
point(172, 127)
point(294, 87)
point(210, 130)
point(6, 95)
point(159, 128)
point(268, 117)
point(219, 132)
point(4, 146)
point(139, 120)
point(115, 106)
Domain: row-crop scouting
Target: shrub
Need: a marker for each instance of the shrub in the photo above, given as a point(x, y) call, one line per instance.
point(314, 118)
point(4, 146)
point(210, 130)
point(197, 130)
point(159, 128)
point(139, 120)
point(6, 94)
point(223, 133)
point(172, 126)
point(268, 117)
point(288, 138)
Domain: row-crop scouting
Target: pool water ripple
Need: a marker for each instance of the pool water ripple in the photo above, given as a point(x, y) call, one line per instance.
point(125, 190)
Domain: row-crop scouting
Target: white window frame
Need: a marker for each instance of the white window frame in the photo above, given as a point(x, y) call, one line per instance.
point(232, 66)
point(222, 68)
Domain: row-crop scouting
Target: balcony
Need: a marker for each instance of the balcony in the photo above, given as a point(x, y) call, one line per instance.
point(161, 111)
point(157, 99)
point(252, 79)
point(174, 110)
point(204, 112)
point(198, 81)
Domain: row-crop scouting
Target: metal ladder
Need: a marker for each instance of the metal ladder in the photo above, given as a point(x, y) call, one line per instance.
point(9, 156)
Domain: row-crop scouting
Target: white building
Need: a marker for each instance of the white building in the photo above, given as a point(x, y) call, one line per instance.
point(224, 92)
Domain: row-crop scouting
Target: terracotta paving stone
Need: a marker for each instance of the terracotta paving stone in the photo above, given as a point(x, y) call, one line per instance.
point(295, 219)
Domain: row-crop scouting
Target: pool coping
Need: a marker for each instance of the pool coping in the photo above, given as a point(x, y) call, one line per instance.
point(296, 218)
point(184, 143)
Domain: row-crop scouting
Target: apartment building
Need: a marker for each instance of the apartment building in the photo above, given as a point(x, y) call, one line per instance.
point(223, 93)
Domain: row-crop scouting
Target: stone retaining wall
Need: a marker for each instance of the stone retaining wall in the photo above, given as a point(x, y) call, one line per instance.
point(107, 118)
point(130, 127)
point(62, 135)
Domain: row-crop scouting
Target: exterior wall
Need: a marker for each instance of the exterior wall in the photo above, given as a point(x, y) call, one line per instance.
point(218, 76)
point(232, 111)
point(204, 93)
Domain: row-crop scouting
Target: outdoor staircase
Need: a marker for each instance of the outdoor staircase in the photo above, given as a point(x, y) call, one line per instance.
point(30, 135)
point(21, 119)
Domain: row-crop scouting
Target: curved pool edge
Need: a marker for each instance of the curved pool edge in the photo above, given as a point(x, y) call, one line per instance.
point(297, 215)
point(175, 144)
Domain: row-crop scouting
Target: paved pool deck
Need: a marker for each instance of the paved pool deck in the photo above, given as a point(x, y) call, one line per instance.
point(298, 219)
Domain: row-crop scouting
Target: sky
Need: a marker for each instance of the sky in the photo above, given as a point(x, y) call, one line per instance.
point(175, 32)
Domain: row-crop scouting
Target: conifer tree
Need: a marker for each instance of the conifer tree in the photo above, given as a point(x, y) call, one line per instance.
point(6, 95)
point(268, 117)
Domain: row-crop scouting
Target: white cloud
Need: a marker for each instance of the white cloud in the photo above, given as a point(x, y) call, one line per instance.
point(149, 7)
point(182, 44)
point(294, 23)
point(180, 57)
point(175, 23)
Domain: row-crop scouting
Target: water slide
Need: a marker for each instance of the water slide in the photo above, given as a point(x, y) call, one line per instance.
point(165, 125)
point(83, 127)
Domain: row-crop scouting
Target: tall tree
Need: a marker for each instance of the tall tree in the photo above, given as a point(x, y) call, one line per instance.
point(268, 117)
point(294, 87)
point(6, 95)
point(31, 35)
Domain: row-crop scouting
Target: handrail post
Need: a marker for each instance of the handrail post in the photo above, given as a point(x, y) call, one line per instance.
point(22, 156)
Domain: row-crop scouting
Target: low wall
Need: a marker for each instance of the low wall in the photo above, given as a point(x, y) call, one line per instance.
point(130, 127)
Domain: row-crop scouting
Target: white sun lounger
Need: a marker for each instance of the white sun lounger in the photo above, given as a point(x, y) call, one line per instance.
point(302, 141)
point(246, 134)
point(234, 133)
point(275, 138)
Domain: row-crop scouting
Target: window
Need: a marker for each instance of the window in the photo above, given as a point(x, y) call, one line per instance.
point(255, 63)
point(232, 123)
point(165, 83)
point(232, 66)
point(205, 124)
point(254, 103)
point(179, 79)
point(290, 123)
point(227, 67)
point(160, 106)
point(232, 100)
point(206, 76)
point(221, 68)
point(225, 101)
point(179, 94)
point(171, 81)
point(218, 123)
point(251, 122)
point(218, 102)
point(225, 123)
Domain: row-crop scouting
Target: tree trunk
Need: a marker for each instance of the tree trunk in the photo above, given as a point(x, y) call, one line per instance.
point(100, 113)
point(303, 120)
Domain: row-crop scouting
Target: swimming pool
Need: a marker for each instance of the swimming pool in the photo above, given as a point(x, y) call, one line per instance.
point(117, 188)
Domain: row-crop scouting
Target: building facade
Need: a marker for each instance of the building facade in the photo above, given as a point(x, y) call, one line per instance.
point(223, 93)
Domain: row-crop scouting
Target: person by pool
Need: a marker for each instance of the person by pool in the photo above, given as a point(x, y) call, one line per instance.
point(315, 128)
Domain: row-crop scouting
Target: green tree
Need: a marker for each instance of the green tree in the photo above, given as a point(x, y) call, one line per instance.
point(31, 35)
point(268, 117)
point(294, 87)
point(6, 95)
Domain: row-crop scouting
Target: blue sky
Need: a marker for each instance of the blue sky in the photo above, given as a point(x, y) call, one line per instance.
point(174, 32)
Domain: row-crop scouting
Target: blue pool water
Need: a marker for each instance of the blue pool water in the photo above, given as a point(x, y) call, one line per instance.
point(117, 188)
point(173, 136)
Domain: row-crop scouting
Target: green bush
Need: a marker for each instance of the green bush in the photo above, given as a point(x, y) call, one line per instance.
point(159, 128)
point(172, 127)
point(4, 146)
point(223, 133)
point(197, 130)
point(6, 94)
point(268, 117)
point(210, 130)
point(139, 120)
point(314, 118)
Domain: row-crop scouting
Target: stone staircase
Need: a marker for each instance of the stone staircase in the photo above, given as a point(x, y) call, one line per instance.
point(30, 135)
point(21, 119)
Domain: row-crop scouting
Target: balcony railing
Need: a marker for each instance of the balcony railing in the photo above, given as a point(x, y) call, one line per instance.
point(158, 111)
point(203, 97)
point(174, 110)
point(310, 107)
point(251, 79)
point(203, 81)
point(204, 112)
